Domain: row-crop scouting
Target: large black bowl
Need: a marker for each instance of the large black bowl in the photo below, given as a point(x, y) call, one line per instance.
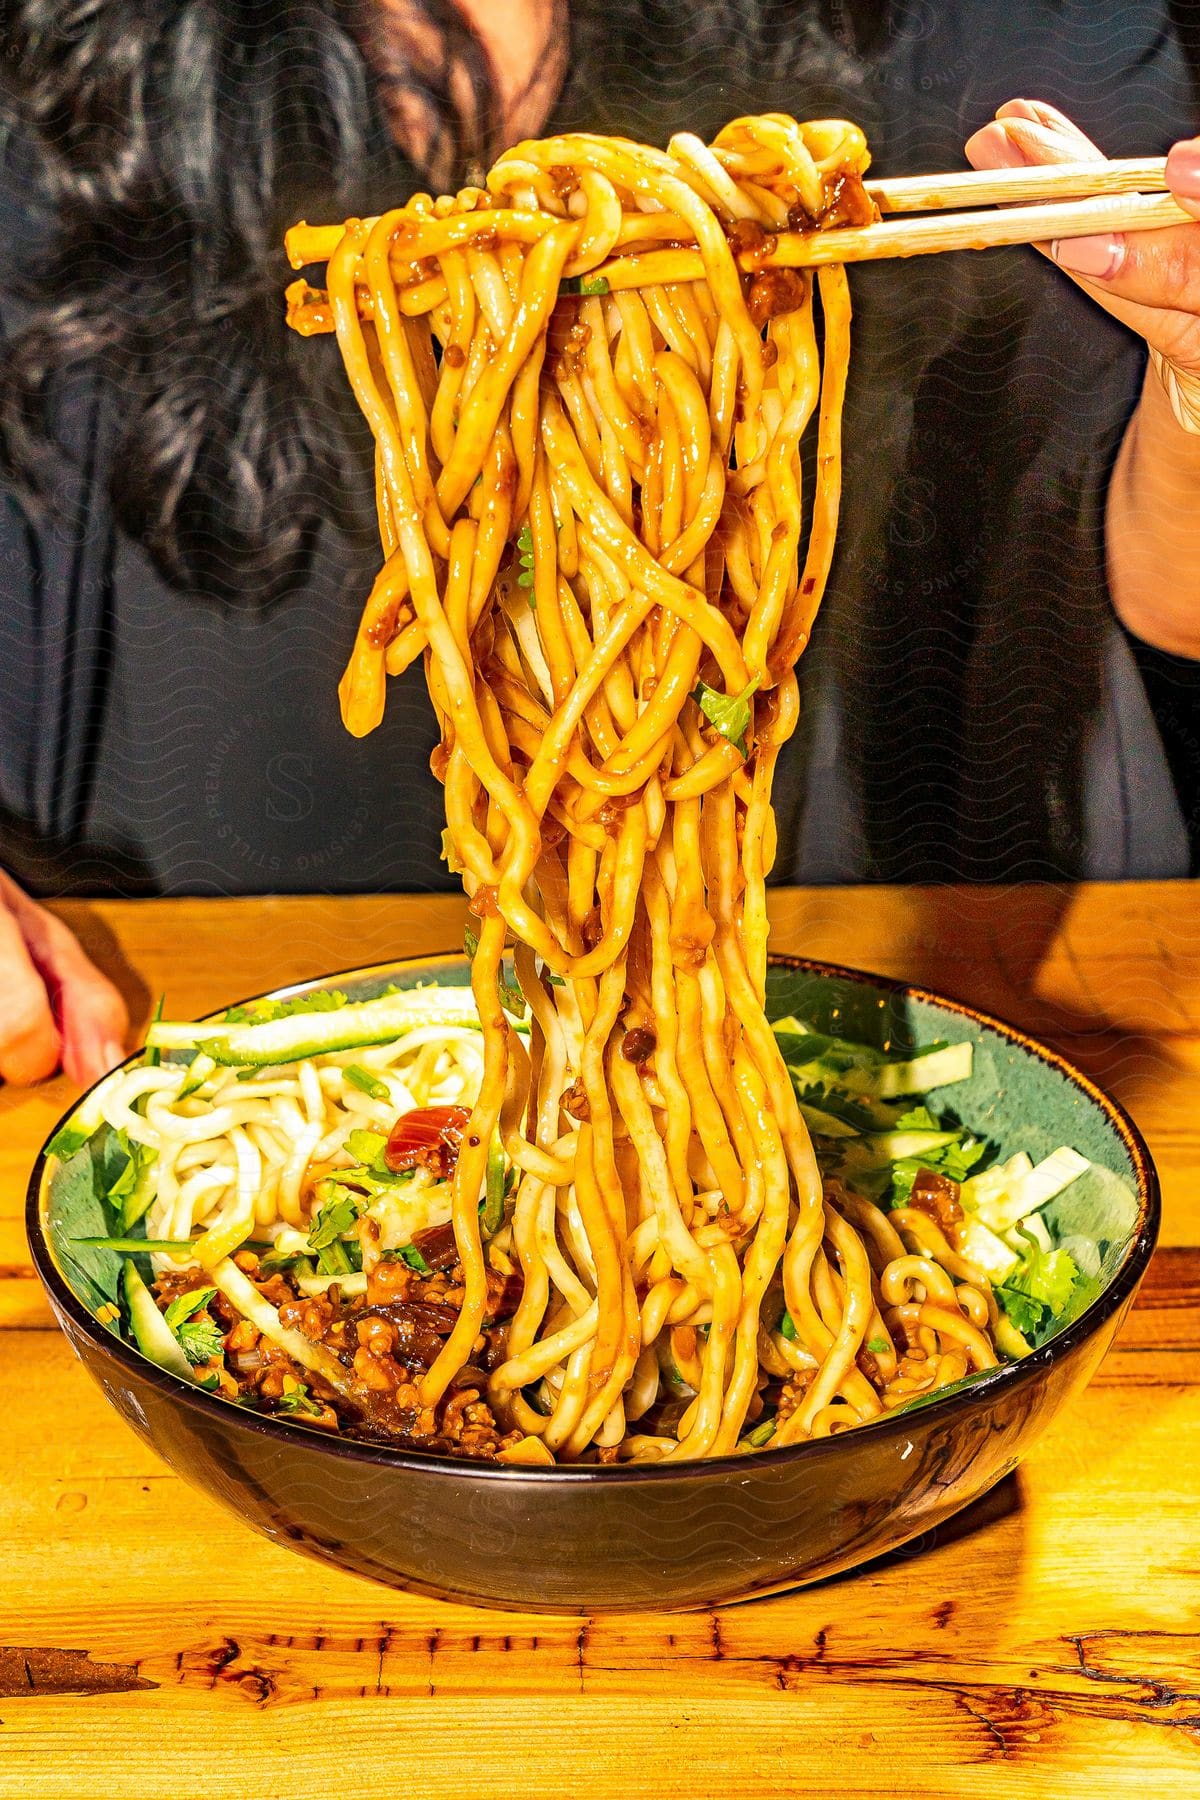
point(688, 1535)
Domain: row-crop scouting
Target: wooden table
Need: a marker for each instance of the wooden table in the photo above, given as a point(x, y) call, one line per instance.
point(1046, 1644)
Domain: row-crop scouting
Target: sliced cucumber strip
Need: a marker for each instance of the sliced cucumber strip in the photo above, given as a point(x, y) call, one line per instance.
point(918, 1075)
point(243, 1294)
point(152, 1334)
point(987, 1251)
point(993, 1182)
point(1029, 1192)
point(880, 1148)
point(316, 1034)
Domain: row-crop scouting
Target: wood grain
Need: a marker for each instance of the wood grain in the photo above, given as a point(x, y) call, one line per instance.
point(1045, 1644)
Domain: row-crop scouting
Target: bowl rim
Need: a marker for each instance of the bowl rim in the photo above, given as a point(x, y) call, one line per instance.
point(1007, 1378)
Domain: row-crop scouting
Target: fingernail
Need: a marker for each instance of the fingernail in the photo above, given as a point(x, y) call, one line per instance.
point(992, 149)
point(1099, 257)
point(112, 1052)
point(1183, 169)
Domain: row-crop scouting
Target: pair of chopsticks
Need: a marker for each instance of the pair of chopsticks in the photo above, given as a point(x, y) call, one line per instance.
point(1093, 197)
point(1127, 195)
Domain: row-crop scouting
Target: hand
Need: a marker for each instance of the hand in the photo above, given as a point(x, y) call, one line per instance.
point(55, 1005)
point(1150, 280)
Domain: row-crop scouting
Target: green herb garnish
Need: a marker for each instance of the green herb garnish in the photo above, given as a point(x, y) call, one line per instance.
point(584, 284)
point(525, 558)
point(763, 1432)
point(728, 714)
point(366, 1083)
point(1038, 1289)
point(200, 1337)
point(260, 1012)
point(787, 1328)
point(295, 1400)
point(409, 1254)
point(329, 1222)
point(878, 1346)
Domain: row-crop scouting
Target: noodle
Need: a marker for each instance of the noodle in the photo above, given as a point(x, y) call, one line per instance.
point(599, 531)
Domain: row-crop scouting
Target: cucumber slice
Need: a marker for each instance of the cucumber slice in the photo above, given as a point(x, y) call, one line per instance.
point(83, 1123)
point(152, 1334)
point(199, 1070)
point(880, 1148)
point(824, 1123)
point(987, 1251)
point(353, 1283)
point(303, 1035)
point(917, 1075)
point(993, 1182)
point(243, 1294)
point(1029, 1192)
point(1008, 1340)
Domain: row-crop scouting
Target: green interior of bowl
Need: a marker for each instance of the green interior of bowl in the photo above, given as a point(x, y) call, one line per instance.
point(1017, 1098)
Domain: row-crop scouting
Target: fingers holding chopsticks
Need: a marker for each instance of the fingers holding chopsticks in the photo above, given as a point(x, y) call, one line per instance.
point(1149, 280)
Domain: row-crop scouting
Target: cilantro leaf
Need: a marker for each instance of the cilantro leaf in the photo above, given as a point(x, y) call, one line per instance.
point(1038, 1290)
point(259, 1012)
point(329, 1222)
point(368, 1147)
point(412, 1256)
point(917, 1118)
point(184, 1305)
point(335, 1217)
point(200, 1337)
point(470, 942)
point(511, 997)
point(787, 1328)
point(1025, 1313)
point(365, 1082)
point(955, 1160)
point(878, 1346)
point(295, 1400)
point(728, 714)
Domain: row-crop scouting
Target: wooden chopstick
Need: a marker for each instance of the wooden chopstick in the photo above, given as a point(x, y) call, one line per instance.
point(1115, 203)
point(999, 187)
point(981, 230)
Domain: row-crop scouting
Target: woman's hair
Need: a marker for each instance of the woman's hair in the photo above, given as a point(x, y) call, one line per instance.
point(173, 141)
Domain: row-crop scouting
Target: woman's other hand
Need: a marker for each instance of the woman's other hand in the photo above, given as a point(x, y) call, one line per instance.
point(1150, 280)
point(55, 1005)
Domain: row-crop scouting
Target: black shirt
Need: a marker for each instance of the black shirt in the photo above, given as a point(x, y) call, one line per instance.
point(972, 709)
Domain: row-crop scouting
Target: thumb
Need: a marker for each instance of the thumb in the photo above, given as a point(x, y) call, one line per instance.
point(1183, 174)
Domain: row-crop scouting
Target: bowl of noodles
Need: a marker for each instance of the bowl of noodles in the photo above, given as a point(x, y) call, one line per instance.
point(610, 1263)
point(248, 1234)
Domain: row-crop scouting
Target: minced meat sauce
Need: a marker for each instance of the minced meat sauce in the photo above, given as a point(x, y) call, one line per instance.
point(385, 1339)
